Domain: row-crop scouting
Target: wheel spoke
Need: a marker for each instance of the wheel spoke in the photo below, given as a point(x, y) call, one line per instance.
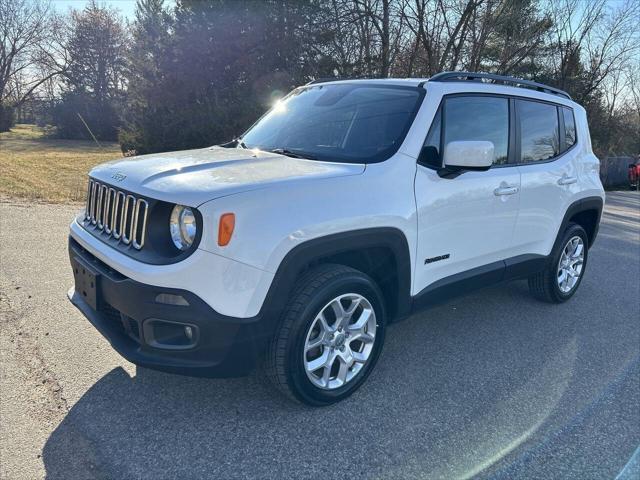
point(359, 357)
point(362, 320)
point(354, 304)
point(339, 312)
point(362, 337)
point(321, 361)
point(342, 371)
point(315, 343)
point(326, 374)
point(562, 277)
point(323, 322)
point(577, 252)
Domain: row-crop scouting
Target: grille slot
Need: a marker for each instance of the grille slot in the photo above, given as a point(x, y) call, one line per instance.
point(117, 214)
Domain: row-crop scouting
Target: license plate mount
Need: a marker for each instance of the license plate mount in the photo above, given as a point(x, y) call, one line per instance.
point(86, 279)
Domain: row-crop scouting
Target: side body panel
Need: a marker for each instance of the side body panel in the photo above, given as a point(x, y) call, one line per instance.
point(462, 219)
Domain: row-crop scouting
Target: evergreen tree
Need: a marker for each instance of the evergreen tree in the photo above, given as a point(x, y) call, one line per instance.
point(146, 127)
point(95, 81)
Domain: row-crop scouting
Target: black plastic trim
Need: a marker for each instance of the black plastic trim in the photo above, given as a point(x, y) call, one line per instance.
point(225, 346)
point(305, 254)
point(486, 275)
point(583, 205)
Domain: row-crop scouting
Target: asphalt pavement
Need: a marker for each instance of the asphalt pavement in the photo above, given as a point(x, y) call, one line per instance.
point(490, 385)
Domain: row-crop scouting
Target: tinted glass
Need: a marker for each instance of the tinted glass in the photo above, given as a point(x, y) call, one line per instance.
point(349, 122)
point(431, 149)
point(479, 118)
point(539, 134)
point(569, 127)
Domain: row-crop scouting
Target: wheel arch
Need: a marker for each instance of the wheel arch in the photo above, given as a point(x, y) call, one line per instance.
point(586, 212)
point(382, 253)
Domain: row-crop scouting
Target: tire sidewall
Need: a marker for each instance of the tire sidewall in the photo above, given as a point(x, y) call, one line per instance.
point(350, 283)
point(571, 231)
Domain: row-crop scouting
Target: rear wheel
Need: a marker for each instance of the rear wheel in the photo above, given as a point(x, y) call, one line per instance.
point(330, 336)
point(560, 279)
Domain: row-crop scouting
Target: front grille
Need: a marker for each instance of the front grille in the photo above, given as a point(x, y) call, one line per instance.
point(117, 214)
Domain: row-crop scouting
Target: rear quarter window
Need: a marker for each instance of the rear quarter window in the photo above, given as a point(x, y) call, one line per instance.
point(569, 127)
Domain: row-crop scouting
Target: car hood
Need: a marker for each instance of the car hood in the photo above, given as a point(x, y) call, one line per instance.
point(193, 177)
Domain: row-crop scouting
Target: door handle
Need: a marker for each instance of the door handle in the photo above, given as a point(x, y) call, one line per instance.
point(506, 190)
point(565, 180)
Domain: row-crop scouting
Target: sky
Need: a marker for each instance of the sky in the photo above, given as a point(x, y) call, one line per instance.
point(127, 7)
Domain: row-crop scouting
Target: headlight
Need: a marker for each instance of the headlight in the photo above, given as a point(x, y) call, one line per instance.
point(182, 226)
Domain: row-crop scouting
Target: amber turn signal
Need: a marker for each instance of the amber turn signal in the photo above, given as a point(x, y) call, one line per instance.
point(225, 229)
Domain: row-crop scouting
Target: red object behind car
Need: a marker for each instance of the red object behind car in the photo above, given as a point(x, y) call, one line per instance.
point(634, 175)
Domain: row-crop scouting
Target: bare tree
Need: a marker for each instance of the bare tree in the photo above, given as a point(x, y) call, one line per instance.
point(595, 38)
point(30, 51)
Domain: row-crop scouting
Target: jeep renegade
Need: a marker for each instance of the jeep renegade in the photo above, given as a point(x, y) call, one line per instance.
point(348, 206)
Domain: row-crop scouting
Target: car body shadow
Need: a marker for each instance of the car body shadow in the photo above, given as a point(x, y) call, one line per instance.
point(446, 379)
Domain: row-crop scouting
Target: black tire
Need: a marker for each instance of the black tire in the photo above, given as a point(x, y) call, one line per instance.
point(284, 363)
point(544, 285)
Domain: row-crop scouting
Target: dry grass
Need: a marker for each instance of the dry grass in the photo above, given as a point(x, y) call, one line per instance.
point(45, 169)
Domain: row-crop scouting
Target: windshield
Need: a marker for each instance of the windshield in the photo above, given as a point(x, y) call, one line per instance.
point(341, 122)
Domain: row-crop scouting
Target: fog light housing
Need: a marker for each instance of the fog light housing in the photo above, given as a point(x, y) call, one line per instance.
point(169, 335)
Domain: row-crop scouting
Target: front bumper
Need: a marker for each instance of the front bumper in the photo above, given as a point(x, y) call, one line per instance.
point(126, 309)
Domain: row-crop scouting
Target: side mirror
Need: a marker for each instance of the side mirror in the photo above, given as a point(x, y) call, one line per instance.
point(468, 155)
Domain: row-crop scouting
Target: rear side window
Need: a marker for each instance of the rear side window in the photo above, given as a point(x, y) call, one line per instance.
point(539, 131)
point(569, 127)
point(479, 118)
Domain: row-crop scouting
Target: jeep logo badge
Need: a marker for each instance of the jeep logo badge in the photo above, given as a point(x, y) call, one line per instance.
point(118, 177)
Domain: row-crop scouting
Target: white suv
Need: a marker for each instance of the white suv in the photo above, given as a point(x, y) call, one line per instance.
point(348, 206)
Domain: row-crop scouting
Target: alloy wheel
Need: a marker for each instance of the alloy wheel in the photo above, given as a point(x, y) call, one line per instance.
point(339, 341)
point(570, 264)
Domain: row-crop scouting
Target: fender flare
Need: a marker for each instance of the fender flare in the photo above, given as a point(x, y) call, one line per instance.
point(582, 205)
point(299, 258)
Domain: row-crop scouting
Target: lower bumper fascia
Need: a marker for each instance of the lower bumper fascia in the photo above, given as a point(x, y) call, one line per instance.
point(225, 347)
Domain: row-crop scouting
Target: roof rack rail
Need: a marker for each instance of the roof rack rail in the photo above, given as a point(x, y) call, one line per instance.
point(334, 79)
point(479, 77)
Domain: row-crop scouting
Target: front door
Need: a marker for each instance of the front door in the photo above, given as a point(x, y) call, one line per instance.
point(466, 221)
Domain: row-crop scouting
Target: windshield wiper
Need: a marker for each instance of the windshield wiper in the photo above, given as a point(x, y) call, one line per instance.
point(292, 154)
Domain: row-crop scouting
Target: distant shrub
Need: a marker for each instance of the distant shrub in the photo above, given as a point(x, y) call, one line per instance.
point(7, 118)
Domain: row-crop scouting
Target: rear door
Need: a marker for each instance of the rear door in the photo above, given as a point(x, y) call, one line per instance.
point(546, 135)
point(466, 221)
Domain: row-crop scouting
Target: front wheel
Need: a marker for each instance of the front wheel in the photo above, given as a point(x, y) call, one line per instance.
point(330, 336)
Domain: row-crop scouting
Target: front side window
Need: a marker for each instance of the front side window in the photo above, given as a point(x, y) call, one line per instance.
point(569, 127)
point(339, 122)
point(479, 118)
point(539, 131)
